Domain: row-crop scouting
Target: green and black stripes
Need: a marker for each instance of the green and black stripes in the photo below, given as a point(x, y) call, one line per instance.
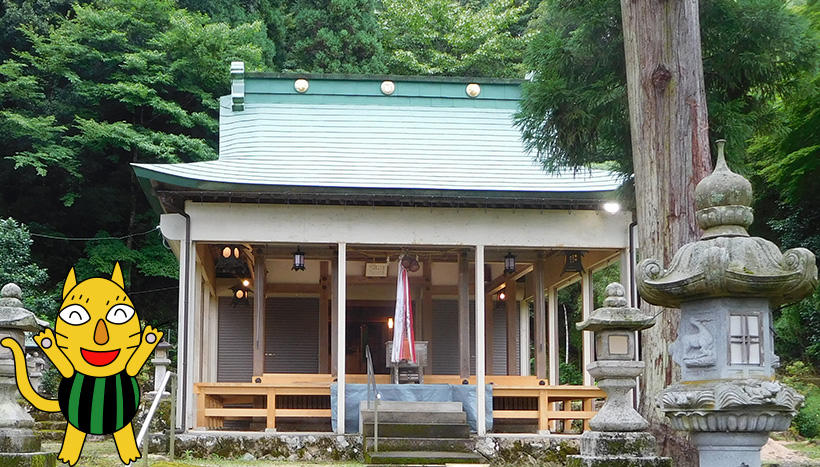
point(99, 406)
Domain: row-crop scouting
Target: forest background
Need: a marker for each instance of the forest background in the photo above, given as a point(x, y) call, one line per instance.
point(86, 88)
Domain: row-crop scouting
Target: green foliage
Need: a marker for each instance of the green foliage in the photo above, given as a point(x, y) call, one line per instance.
point(807, 421)
point(449, 37)
point(115, 82)
point(570, 373)
point(575, 111)
point(17, 265)
point(38, 15)
point(335, 36)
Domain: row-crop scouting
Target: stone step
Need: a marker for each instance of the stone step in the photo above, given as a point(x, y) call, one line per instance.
point(391, 416)
point(414, 406)
point(41, 416)
point(423, 457)
point(51, 435)
point(419, 430)
point(50, 425)
point(421, 444)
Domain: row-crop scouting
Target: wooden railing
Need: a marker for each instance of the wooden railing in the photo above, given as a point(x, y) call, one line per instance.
point(514, 397)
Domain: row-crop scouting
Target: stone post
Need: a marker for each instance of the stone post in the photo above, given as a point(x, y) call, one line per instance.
point(18, 443)
point(161, 362)
point(617, 436)
point(726, 285)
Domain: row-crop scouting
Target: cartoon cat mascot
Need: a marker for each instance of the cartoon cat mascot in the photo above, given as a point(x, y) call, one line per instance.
point(98, 348)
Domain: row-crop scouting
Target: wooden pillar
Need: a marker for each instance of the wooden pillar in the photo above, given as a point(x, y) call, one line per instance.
point(489, 310)
point(512, 313)
point(524, 338)
point(587, 305)
point(334, 316)
point(427, 313)
point(463, 316)
point(324, 316)
point(259, 273)
point(481, 416)
point(540, 320)
point(552, 340)
point(341, 312)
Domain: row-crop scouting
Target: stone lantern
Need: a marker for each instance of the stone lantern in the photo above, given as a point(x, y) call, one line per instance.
point(617, 429)
point(726, 285)
point(18, 443)
point(161, 361)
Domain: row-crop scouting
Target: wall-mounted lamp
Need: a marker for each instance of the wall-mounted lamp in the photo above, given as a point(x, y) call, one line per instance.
point(611, 207)
point(573, 261)
point(298, 260)
point(509, 263)
point(502, 296)
point(389, 323)
point(246, 282)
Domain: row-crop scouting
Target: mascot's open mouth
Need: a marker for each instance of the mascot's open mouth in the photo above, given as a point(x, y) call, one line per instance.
point(99, 358)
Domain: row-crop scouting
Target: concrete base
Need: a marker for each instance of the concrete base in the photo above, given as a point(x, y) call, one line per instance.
point(729, 449)
point(617, 449)
point(29, 459)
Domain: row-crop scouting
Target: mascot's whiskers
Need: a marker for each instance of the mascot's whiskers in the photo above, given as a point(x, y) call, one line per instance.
point(98, 348)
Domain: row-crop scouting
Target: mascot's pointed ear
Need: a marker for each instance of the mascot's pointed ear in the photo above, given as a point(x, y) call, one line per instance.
point(70, 282)
point(116, 276)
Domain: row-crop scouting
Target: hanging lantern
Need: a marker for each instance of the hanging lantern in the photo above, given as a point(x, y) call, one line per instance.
point(246, 282)
point(298, 260)
point(509, 263)
point(573, 261)
point(389, 323)
point(236, 252)
point(502, 296)
point(240, 295)
point(226, 252)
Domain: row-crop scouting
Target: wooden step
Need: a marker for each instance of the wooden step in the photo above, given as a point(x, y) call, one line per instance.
point(419, 430)
point(424, 457)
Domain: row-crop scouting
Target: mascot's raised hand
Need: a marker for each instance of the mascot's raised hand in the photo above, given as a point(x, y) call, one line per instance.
point(98, 348)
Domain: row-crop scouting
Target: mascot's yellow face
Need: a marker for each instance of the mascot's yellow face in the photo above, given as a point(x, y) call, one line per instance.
point(97, 328)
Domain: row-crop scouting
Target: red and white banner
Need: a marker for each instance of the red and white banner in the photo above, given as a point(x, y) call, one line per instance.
point(404, 342)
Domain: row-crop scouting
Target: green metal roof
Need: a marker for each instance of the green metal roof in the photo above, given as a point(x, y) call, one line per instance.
point(343, 133)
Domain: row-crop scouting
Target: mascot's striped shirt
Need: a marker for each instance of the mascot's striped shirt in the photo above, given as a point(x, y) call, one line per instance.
point(99, 406)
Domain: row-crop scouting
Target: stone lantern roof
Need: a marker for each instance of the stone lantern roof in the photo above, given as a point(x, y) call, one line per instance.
point(615, 314)
point(12, 313)
point(726, 261)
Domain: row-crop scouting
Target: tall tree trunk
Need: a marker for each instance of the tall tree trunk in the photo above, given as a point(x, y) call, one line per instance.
point(670, 150)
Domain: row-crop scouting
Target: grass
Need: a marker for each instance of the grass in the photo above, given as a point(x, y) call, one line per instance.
point(810, 448)
point(104, 454)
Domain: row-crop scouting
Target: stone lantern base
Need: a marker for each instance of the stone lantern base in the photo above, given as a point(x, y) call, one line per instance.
point(618, 449)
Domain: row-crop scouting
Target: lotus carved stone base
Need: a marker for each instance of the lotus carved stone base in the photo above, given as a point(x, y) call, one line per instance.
point(732, 405)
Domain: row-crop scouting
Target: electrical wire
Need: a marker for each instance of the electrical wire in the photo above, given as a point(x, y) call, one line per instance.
point(153, 290)
point(86, 239)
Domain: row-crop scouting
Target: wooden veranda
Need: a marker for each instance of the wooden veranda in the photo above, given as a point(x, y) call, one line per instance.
point(524, 398)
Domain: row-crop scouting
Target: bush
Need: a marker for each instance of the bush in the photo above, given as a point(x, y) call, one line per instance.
point(569, 373)
point(807, 421)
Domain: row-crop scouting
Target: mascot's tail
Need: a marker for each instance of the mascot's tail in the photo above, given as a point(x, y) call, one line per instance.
point(23, 384)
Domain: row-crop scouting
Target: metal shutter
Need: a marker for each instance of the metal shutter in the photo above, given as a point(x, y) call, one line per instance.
point(499, 357)
point(445, 337)
point(292, 335)
point(234, 361)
